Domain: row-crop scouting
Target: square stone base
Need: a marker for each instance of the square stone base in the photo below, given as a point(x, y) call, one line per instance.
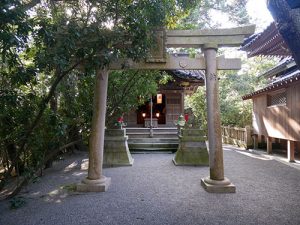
point(126, 162)
point(218, 188)
point(94, 187)
point(191, 158)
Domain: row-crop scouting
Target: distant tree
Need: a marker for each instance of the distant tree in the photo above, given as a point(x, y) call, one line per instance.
point(204, 15)
point(127, 91)
point(232, 86)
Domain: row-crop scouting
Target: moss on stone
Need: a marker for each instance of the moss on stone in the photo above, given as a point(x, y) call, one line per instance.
point(192, 150)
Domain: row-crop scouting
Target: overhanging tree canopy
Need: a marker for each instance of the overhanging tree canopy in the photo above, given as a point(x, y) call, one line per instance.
point(42, 42)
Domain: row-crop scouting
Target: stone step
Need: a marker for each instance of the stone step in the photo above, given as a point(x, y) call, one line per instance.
point(157, 150)
point(147, 130)
point(155, 135)
point(152, 146)
point(154, 140)
point(163, 139)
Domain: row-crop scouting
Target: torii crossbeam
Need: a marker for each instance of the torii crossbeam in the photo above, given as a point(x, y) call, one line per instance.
point(209, 41)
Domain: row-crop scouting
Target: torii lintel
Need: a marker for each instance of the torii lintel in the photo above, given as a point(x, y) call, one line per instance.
point(230, 37)
point(172, 62)
point(164, 39)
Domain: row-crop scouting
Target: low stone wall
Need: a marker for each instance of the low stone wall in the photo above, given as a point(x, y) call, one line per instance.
point(116, 151)
point(192, 149)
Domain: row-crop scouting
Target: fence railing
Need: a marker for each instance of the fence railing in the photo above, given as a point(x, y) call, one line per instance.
point(237, 136)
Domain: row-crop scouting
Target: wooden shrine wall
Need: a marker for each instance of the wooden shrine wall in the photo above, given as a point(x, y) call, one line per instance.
point(281, 121)
point(174, 106)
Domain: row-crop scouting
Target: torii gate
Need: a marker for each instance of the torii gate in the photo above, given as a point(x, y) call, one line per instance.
point(209, 41)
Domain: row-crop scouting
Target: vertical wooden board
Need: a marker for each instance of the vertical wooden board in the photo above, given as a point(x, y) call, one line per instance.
point(258, 115)
point(274, 121)
point(267, 122)
point(285, 121)
point(294, 127)
point(297, 111)
point(262, 112)
point(130, 118)
point(278, 116)
point(290, 114)
point(173, 107)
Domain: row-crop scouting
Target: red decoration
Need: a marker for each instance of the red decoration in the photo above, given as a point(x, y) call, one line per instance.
point(186, 117)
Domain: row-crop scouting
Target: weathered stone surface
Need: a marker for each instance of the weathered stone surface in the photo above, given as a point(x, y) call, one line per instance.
point(214, 186)
point(193, 138)
point(222, 37)
point(99, 185)
point(115, 133)
point(193, 132)
point(213, 114)
point(177, 62)
point(95, 180)
point(192, 150)
point(116, 151)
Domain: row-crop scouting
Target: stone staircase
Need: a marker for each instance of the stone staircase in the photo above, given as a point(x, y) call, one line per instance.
point(163, 139)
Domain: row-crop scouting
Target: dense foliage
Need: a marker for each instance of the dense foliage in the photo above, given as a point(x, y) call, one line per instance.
point(232, 86)
point(50, 51)
point(212, 13)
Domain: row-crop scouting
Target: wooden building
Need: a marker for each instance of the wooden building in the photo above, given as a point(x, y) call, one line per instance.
point(276, 107)
point(168, 104)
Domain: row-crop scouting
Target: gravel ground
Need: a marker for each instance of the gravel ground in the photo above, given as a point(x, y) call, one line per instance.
point(154, 191)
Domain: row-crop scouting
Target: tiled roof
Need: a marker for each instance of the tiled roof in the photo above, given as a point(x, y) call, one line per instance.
point(190, 75)
point(281, 82)
point(282, 66)
point(267, 43)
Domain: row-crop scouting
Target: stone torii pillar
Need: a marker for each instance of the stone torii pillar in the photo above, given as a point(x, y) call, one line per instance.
point(216, 182)
point(95, 181)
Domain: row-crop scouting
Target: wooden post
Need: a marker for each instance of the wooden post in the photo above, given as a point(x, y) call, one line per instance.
point(291, 150)
point(255, 141)
point(182, 103)
point(216, 182)
point(96, 182)
point(269, 145)
point(248, 139)
point(260, 139)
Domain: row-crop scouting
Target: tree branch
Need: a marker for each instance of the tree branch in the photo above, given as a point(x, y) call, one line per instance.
point(43, 106)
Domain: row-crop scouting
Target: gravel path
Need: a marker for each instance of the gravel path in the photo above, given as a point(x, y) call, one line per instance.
point(154, 191)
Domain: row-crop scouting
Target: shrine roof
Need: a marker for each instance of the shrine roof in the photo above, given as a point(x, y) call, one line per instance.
point(190, 75)
point(270, 43)
point(280, 69)
point(267, 43)
point(281, 82)
point(188, 80)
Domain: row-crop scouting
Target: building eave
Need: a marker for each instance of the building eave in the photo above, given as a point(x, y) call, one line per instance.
point(267, 43)
point(283, 83)
point(285, 65)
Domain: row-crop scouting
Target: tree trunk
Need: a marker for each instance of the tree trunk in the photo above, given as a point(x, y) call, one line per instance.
point(288, 23)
